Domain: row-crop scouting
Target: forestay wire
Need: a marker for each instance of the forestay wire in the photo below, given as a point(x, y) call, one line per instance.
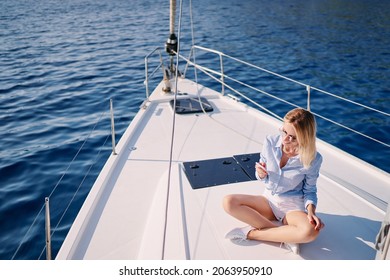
point(173, 122)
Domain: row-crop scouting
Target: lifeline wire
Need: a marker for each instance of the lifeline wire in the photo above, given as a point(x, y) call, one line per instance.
point(205, 71)
point(55, 187)
point(76, 192)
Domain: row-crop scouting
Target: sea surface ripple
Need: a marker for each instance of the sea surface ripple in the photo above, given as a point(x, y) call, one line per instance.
point(61, 61)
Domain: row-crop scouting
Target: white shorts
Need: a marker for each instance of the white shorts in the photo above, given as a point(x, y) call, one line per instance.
point(280, 205)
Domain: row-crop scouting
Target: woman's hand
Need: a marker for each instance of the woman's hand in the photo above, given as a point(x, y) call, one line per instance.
point(261, 169)
point(313, 218)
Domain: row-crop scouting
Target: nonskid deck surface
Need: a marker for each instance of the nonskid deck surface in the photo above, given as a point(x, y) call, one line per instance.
point(133, 213)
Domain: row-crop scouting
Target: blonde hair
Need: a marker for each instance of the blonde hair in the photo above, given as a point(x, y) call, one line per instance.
point(304, 124)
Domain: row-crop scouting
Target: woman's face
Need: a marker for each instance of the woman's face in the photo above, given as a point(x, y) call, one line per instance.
point(289, 136)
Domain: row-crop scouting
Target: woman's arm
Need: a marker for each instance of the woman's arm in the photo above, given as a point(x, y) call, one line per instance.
point(309, 187)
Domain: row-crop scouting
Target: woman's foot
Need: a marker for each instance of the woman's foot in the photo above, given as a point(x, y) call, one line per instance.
point(293, 247)
point(239, 234)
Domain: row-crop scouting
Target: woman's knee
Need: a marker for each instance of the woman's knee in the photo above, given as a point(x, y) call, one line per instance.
point(230, 202)
point(305, 230)
point(309, 234)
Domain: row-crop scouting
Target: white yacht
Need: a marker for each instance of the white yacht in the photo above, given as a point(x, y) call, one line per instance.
point(159, 195)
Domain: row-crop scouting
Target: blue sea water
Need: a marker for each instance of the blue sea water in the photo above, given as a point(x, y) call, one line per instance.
point(62, 60)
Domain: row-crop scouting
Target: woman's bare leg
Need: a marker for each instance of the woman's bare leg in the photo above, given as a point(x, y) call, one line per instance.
point(296, 229)
point(250, 209)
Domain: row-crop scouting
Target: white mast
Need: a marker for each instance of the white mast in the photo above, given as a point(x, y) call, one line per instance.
point(171, 44)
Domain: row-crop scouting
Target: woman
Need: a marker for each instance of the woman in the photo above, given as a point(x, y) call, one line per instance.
point(289, 166)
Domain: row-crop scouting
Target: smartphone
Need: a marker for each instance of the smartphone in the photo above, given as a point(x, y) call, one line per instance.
point(261, 166)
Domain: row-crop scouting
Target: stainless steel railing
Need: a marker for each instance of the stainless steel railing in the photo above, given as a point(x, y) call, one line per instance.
point(220, 75)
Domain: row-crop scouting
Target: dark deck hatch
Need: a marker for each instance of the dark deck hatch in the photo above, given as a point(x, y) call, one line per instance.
point(220, 171)
point(191, 105)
